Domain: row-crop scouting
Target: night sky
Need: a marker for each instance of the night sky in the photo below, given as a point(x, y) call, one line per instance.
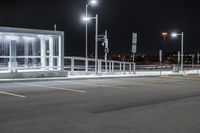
point(149, 18)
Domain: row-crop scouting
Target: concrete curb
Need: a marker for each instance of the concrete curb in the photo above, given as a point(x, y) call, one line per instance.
point(69, 78)
point(90, 77)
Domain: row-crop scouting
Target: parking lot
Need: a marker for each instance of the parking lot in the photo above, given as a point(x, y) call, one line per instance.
point(129, 105)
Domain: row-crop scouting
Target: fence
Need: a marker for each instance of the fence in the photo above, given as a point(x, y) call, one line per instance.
point(110, 66)
point(78, 64)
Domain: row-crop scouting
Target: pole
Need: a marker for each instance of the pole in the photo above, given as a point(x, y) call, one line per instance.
point(160, 59)
point(106, 49)
point(133, 62)
point(178, 60)
point(192, 62)
point(197, 59)
point(198, 62)
point(86, 41)
point(96, 44)
point(106, 66)
point(182, 54)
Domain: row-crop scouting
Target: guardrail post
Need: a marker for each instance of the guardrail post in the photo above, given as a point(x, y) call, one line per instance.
point(113, 67)
point(86, 65)
point(134, 69)
point(106, 67)
point(120, 67)
point(110, 66)
point(130, 68)
point(99, 66)
point(72, 64)
point(124, 67)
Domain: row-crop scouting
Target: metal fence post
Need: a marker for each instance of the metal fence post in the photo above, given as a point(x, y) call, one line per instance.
point(110, 66)
point(134, 68)
point(106, 65)
point(99, 66)
point(72, 64)
point(124, 68)
point(130, 68)
point(86, 65)
point(113, 67)
point(120, 67)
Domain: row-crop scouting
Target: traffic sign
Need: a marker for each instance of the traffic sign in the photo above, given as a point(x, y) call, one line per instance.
point(134, 41)
point(134, 48)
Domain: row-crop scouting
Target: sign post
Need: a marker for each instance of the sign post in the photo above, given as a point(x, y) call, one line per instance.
point(198, 61)
point(193, 62)
point(134, 49)
point(160, 59)
point(179, 59)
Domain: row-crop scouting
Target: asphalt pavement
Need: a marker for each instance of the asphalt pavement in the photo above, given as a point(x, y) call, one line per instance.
point(167, 104)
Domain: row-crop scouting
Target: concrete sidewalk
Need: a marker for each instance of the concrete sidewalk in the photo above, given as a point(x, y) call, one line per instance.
point(93, 76)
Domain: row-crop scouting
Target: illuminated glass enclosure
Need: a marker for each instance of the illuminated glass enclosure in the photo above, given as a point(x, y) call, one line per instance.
point(28, 49)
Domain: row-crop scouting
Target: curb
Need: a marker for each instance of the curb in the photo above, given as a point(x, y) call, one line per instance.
point(70, 78)
point(87, 78)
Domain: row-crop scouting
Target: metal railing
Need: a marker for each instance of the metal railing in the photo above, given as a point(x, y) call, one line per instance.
point(78, 64)
point(110, 66)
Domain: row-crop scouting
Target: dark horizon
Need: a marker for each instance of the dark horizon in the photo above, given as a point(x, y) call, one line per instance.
point(148, 18)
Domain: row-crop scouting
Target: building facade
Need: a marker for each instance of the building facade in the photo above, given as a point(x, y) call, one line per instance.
point(31, 50)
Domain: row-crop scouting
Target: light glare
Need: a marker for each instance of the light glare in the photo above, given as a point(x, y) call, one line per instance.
point(93, 2)
point(174, 34)
point(86, 18)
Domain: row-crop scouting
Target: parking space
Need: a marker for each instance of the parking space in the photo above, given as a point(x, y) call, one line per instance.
point(99, 105)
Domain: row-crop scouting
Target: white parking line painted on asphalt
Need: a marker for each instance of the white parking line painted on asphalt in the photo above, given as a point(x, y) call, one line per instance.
point(50, 87)
point(181, 78)
point(12, 94)
point(89, 84)
point(131, 82)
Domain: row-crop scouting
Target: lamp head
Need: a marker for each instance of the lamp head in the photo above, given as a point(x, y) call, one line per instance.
point(86, 18)
point(174, 34)
point(93, 2)
point(164, 34)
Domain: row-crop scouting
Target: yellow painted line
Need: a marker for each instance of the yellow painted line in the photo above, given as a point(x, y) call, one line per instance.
point(12, 94)
point(57, 88)
point(108, 86)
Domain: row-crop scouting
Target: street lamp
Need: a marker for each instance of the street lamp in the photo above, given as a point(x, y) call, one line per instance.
point(96, 38)
point(91, 2)
point(164, 34)
point(182, 35)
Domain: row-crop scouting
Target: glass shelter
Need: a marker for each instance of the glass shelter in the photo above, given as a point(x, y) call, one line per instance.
point(31, 50)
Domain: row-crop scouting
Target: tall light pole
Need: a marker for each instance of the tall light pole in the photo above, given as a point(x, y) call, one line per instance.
point(164, 34)
point(93, 2)
point(182, 39)
point(96, 38)
point(96, 43)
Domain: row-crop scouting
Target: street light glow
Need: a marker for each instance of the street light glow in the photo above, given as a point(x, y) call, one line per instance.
point(174, 34)
point(164, 34)
point(93, 2)
point(86, 18)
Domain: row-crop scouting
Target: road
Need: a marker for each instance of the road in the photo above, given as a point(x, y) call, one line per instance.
point(126, 105)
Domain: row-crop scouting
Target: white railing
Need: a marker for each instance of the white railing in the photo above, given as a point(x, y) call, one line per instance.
point(78, 64)
point(110, 66)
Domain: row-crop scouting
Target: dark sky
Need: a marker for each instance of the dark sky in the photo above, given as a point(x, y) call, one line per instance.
point(149, 18)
